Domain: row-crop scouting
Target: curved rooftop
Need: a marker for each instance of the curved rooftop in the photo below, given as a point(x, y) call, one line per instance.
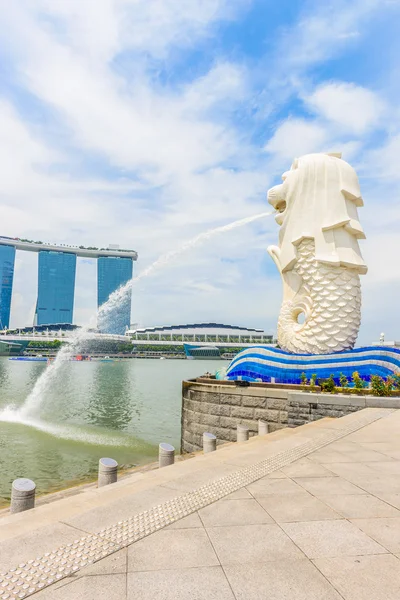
point(194, 326)
point(87, 252)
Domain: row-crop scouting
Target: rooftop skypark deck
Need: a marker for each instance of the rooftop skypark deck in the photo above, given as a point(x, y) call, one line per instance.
point(82, 251)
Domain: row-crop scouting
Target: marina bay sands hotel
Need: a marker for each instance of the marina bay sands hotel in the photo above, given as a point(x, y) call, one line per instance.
point(56, 279)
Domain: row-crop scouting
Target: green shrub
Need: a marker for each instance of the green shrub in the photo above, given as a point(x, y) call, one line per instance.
point(359, 384)
point(344, 382)
point(396, 381)
point(328, 385)
point(389, 384)
point(378, 385)
point(303, 379)
point(313, 381)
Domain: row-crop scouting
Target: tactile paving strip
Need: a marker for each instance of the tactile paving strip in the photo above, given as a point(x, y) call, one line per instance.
point(34, 575)
point(38, 573)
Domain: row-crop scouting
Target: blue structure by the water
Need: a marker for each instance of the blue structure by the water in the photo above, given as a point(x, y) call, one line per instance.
point(113, 272)
point(56, 287)
point(266, 364)
point(7, 259)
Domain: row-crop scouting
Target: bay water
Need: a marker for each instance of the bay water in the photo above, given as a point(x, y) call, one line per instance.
point(121, 409)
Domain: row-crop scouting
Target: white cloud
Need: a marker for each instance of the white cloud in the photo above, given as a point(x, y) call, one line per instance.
point(101, 30)
point(354, 108)
point(325, 30)
point(383, 161)
point(295, 137)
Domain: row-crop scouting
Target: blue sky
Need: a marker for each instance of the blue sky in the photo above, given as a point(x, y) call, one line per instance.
point(145, 122)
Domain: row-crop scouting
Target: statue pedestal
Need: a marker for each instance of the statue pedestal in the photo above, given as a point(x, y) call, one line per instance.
point(266, 363)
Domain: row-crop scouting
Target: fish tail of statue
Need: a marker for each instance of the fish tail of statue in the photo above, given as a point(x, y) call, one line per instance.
point(329, 299)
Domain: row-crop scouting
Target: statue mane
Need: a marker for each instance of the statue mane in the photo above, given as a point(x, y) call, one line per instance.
point(318, 199)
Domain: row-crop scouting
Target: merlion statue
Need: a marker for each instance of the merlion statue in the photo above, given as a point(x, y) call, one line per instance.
point(318, 256)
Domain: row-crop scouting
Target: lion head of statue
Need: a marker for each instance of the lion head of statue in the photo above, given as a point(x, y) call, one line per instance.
point(318, 199)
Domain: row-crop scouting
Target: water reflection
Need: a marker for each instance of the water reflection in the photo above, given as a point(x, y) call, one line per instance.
point(4, 374)
point(112, 403)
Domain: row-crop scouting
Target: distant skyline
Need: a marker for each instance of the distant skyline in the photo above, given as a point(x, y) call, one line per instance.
point(138, 123)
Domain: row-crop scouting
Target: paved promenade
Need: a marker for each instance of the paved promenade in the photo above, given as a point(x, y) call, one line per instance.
point(311, 513)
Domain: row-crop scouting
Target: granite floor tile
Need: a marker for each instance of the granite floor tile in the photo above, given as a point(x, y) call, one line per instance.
point(172, 549)
point(365, 456)
point(192, 481)
point(385, 531)
point(267, 486)
point(325, 486)
point(202, 583)
point(350, 471)
point(378, 484)
point(238, 495)
point(389, 449)
point(331, 538)
point(234, 512)
point(345, 446)
point(391, 467)
point(98, 587)
point(104, 516)
point(190, 522)
point(252, 543)
point(277, 475)
point(284, 580)
point(392, 499)
point(306, 468)
point(360, 506)
point(327, 456)
point(296, 507)
point(363, 577)
point(110, 565)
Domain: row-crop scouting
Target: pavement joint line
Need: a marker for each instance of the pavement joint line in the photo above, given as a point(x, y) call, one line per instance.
point(37, 574)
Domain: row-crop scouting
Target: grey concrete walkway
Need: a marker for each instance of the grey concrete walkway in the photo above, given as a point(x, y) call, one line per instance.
point(323, 527)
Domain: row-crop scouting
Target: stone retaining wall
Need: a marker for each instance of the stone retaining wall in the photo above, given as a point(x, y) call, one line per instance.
point(219, 407)
point(304, 407)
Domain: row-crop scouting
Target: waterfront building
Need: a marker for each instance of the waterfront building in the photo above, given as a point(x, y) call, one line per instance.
point(56, 287)
point(112, 273)
point(196, 340)
point(12, 348)
point(56, 281)
point(7, 259)
point(201, 332)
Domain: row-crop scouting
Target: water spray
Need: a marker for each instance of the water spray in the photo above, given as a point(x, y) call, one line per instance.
point(32, 403)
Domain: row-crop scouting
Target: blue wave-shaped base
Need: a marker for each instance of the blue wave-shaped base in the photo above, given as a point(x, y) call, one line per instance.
point(265, 363)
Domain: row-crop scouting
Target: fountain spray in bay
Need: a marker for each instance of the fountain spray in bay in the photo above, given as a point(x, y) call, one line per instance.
point(34, 400)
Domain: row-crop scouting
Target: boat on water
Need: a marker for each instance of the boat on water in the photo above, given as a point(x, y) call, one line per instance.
point(50, 359)
point(29, 358)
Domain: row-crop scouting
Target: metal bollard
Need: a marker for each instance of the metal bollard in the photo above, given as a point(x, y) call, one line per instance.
point(22, 495)
point(209, 442)
point(107, 471)
point(262, 427)
point(242, 433)
point(166, 455)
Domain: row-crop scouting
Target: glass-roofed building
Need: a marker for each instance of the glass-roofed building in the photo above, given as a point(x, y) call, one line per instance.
point(199, 340)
